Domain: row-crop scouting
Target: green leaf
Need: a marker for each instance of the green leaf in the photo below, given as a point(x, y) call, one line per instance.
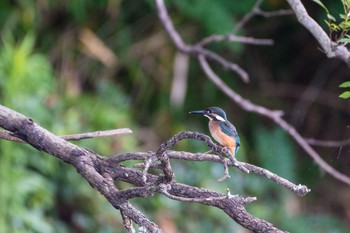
point(345, 95)
point(331, 17)
point(322, 5)
point(345, 25)
point(345, 84)
point(333, 26)
point(344, 40)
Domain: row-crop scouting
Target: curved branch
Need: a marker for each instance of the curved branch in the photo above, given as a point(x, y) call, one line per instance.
point(101, 172)
point(82, 159)
point(194, 50)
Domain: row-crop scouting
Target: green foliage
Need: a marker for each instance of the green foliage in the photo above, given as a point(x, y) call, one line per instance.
point(345, 94)
point(36, 188)
point(26, 81)
point(341, 28)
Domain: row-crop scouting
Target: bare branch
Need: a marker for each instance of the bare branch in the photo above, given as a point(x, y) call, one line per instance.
point(233, 38)
point(96, 134)
point(4, 134)
point(327, 143)
point(256, 10)
point(83, 160)
point(226, 173)
point(248, 16)
point(268, 14)
point(300, 190)
point(102, 172)
point(195, 50)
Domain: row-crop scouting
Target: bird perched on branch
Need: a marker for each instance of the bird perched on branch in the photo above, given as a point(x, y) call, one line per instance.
point(223, 131)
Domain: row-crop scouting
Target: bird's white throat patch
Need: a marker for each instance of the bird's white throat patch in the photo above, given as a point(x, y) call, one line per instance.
point(217, 117)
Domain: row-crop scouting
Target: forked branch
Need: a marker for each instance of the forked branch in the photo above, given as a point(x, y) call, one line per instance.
point(103, 172)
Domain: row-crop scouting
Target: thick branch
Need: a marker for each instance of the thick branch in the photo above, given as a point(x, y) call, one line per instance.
point(101, 172)
point(231, 205)
point(83, 160)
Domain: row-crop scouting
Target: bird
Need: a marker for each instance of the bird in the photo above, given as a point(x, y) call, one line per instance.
point(223, 131)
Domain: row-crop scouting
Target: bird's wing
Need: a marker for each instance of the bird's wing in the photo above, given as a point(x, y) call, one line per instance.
point(229, 129)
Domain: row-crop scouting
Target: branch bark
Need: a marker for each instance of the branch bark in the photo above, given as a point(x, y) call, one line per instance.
point(101, 173)
point(4, 134)
point(83, 160)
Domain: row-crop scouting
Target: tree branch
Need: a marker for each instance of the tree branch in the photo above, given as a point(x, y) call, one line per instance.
point(102, 172)
point(4, 134)
point(327, 143)
point(83, 160)
point(194, 50)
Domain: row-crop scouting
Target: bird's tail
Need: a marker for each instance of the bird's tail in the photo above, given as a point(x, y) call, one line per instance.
point(234, 150)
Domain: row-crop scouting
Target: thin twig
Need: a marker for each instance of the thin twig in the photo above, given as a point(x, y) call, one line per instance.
point(194, 50)
point(327, 143)
point(256, 10)
point(268, 14)
point(226, 173)
point(147, 164)
point(233, 38)
point(96, 134)
point(7, 135)
point(248, 16)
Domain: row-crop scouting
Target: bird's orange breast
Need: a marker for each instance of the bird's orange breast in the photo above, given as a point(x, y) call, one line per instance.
point(221, 137)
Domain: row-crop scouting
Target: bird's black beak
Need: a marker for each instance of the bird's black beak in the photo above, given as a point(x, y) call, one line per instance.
point(202, 112)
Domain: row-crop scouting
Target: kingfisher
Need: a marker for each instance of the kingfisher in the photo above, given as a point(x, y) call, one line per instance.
point(223, 131)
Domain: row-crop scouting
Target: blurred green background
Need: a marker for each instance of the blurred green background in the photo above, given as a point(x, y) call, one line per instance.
point(80, 66)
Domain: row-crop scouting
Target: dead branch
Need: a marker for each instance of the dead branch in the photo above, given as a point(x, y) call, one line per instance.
point(103, 172)
point(4, 134)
